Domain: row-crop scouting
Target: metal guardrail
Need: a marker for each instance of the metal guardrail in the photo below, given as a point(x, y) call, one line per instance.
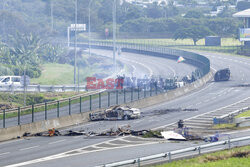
point(42, 88)
point(171, 153)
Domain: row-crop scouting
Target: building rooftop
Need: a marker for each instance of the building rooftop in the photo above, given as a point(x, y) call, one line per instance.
point(244, 13)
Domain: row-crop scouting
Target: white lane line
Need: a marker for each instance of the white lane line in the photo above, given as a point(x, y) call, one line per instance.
point(8, 142)
point(206, 101)
point(77, 137)
point(78, 152)
point(59, 141)
point(4, 153)
point(28, 148)
point(198, 103)
point(160, 127)
point(192, 94)
point(189, 106)
point(213, 98)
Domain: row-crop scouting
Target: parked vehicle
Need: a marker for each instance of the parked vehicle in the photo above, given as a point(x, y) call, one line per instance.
point(222, 75)
point(10, 80)
point(116, 113)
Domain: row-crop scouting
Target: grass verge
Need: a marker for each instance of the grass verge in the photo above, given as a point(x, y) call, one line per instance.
point(236, 157)
point(244, 114)
point(225, 126)
point(59, 74)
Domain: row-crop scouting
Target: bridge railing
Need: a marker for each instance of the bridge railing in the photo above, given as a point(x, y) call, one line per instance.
point(42, 88)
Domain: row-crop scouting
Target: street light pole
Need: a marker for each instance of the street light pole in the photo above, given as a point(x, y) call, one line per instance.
point(52, 15)
point(75, 42)
point(89, 34)
point(114, 35)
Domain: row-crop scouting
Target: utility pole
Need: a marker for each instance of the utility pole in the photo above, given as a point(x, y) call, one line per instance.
point(24, 86)
point(89, 29)
point(52, 14)
point(4, 30)
point(75, 42)
point(114, 35)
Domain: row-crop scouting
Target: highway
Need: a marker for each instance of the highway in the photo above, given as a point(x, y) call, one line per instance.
point(96, 151)
point(136, 66)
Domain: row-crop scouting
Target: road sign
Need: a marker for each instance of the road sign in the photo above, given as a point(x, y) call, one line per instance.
point(78, 27)
point(27, 80)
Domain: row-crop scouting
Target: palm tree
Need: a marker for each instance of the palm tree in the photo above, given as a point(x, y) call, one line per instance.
point(25, 50)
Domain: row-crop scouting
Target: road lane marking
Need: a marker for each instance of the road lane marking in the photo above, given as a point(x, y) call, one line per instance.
point(77, 137)
point(4, 153)
point(59, 141)
point(28, 148)
point(188, 95)
point(78, 151)
point(8, 142)
point(68, 154)
point(160, 127)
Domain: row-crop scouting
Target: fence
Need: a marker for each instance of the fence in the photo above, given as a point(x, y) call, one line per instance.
point(42, 88)
point(100, 99)
point(169, 155)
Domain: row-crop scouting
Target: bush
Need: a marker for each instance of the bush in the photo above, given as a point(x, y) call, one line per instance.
point(5, 70)
point(34, 72)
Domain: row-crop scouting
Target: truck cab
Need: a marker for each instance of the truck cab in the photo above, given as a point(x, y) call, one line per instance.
point(10, 80)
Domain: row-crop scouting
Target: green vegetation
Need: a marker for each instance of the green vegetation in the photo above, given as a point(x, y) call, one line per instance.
point(9, 101)
point(59, 74)
point(244, 114)
point(224, 126)
point(194, 32)
point(236, 157)
point(49, 18)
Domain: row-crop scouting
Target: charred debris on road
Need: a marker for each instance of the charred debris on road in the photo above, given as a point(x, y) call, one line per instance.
point(118, 111)
point(181, 133)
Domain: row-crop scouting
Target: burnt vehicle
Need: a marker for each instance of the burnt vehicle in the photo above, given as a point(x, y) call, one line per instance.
point(116, 113)
point(222, 75)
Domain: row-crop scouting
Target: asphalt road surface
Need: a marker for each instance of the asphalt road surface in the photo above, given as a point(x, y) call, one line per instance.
point(60, 151)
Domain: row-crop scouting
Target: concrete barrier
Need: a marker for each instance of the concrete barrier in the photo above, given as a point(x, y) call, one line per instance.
point(42, 126)
point(65, 121)
point(242, 121)
point(173, 94)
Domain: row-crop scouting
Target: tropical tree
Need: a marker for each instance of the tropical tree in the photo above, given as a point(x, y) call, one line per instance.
point(194, 32)
point(25, 49)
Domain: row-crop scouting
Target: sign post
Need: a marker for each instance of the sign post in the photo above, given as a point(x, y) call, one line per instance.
point(25, 80)
point(75, 27)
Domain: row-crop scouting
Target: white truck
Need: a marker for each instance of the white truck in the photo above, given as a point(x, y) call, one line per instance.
point(10, 80)
point(116, 113)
